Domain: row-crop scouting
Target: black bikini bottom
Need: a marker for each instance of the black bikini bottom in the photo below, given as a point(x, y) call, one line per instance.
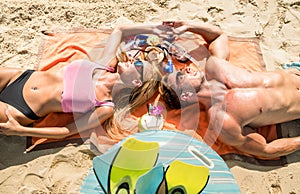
point(13, 95)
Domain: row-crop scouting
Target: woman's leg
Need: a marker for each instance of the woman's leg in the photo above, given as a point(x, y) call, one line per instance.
point(8, 75)
point(3, 107)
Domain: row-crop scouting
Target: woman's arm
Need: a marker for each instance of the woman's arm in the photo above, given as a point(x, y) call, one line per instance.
point(120, 32)
point(88, 121)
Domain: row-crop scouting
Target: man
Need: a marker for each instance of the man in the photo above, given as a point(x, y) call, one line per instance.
point(236, 100)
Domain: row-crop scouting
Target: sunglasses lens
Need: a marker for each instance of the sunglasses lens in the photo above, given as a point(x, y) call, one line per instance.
point(138, 63)
point(139, 67)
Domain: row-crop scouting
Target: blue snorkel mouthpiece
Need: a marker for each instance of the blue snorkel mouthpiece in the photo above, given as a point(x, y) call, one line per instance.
point(169, 67)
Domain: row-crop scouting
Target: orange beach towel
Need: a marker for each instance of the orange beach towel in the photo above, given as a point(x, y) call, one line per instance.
point(60, 48)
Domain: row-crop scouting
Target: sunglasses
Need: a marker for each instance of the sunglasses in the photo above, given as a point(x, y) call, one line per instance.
point(175, 50)
point(139, 65)
point(140, 40)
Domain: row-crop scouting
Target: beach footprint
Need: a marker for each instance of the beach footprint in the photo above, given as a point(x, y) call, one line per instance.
point(33, 183)
point(274, 181)
point(252, 2)
point(62, 165)
point(216, 12)
point(247, 183)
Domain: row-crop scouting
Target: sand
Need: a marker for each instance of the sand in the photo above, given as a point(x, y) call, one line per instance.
point(62, 170)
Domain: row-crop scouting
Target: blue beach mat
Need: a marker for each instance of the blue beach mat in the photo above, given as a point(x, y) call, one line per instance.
point(181, 164)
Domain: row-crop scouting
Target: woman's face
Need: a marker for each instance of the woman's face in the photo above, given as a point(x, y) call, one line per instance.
point(129, 73)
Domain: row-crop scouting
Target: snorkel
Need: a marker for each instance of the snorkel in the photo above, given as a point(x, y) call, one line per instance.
point(169, 67)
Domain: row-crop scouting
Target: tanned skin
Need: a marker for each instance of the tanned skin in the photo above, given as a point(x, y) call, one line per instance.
point(239, 101)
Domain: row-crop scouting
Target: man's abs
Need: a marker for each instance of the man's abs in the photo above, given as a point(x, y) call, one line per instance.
point(259, 107)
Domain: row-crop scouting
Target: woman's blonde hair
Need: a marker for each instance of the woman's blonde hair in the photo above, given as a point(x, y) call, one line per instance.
point(123, 123)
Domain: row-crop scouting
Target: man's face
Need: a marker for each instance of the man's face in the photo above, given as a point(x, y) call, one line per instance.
point(186, 83)
point(188, 79)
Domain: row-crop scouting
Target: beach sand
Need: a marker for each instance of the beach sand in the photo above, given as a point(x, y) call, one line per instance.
point(62, 170)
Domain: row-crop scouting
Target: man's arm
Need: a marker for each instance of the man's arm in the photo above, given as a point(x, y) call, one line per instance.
point(256, 144)
point(220, 47)
point(253, 143)
point(207, 31)
point(214, 36)
point(228, 130)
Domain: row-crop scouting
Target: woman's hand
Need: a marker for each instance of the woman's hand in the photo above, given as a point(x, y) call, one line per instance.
point(178, 27)
point(174, 24)
point(11, 127)
point(163, 31)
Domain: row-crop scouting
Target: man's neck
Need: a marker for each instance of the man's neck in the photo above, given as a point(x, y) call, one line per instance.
point(204, 95)
point(211, 92)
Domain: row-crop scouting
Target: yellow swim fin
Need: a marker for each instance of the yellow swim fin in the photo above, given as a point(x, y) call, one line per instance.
point(133, 159)
point(184, 178)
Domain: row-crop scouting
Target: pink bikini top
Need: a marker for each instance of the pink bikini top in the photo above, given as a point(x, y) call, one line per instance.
point(79, 88)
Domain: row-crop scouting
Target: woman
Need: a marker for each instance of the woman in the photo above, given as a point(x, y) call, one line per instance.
point(82, 87)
